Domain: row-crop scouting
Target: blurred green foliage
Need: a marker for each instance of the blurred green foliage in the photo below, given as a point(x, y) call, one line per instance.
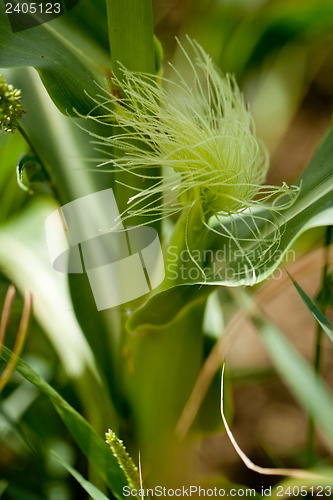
point(281, 53)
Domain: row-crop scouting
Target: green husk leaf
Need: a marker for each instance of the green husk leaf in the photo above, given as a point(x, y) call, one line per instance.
point(162, 308)
point(313, 208)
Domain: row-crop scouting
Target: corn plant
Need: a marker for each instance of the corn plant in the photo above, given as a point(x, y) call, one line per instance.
point(89, 105)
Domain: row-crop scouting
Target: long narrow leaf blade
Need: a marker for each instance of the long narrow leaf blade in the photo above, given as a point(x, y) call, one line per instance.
point(316, 313)
point(300, 378)
point(94, 492)
point(92, 445)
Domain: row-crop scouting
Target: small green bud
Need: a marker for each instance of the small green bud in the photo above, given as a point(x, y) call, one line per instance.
point(124, 460)
point(11, 109)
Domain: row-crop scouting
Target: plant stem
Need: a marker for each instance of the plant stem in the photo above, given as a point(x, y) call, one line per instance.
point(131, 35)
point(318, 346)
point(131, 38)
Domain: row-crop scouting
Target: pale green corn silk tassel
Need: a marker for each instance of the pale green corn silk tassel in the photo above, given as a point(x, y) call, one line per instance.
point(11, 109)
point(200, 132)
point(124, 460)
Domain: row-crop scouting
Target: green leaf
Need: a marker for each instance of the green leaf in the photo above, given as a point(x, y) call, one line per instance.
point(37, 178)
point(94, 492)
point(163, 307)
point(313, 208)
point(133, 46)
point(12, 197)
point(164, 360)
point(3, 486)
point(316, 313)
point(90, 17)
point(74, 53)
point(67, 60)
point(92, 445)
point(300, 378)
point(62, 148)
point(131, 35)
point(25, 261)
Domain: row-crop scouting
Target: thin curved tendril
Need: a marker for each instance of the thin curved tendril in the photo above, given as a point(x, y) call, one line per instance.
point(297, 473)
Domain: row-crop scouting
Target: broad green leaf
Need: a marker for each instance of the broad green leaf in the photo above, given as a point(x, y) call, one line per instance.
point(316, 313)
point(161, 364)
point(62, 147)
point(67, 60)
point(131, 26)
point(94, 492)
point(132, 45)
point(70, 53)
point(25, 261)
point(93, 446)
point(90, 18)
point(300, 378)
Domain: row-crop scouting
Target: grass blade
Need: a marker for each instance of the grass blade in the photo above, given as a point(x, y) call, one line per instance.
point(300, 378)
point(92, 445)
point(94, 492)
point(325, 324)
